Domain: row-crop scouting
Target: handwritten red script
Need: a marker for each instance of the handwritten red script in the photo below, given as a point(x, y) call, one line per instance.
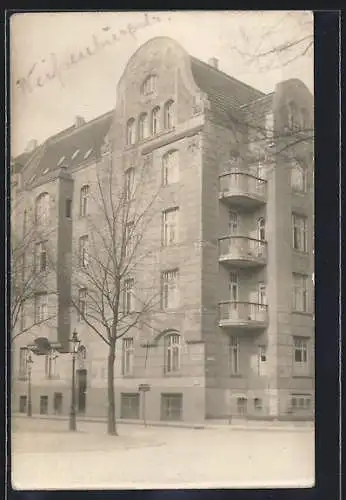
point(50, 68)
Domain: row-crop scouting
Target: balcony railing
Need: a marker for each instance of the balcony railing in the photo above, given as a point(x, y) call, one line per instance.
point(243, 314)
point(242, 187)
point(242, 250)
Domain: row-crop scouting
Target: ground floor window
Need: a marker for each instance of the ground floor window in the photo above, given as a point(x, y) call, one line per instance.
point(258, 404)
point(129, 405)
point(58, 399)
point(171, 406)
point(22, 404)
point(241, 406)
point(300, 402)
point(43, 405)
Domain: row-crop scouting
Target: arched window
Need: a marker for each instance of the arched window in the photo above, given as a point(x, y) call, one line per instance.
point(84, 198)
point(149, 85)
point(292, 116)
point(130, 132)
point(298, 177)
point(155, 120)
point(172, 347)
point(261, 229)
point(143, 126)
point(170, 168)
point(169, 115)
point(42, 208)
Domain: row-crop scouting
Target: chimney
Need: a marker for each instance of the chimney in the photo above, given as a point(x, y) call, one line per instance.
point(213, 61)
point(79, 121)
point(31, 146)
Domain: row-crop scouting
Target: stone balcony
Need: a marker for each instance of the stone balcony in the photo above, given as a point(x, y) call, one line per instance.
point(247, 315)
point(242, 251)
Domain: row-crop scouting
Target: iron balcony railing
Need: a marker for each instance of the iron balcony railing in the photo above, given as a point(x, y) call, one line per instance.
point(243, 312)
point(242, 247)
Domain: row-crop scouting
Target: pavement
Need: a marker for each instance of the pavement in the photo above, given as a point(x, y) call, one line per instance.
point(45, 455)
point(233, 424)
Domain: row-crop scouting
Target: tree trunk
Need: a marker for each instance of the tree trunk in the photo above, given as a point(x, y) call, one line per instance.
point(111, 427)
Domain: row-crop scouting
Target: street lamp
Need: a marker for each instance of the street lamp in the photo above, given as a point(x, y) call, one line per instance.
point(74, 342)
point(29, 362)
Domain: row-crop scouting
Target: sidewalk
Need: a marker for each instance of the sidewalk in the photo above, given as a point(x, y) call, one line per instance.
point(236, 424)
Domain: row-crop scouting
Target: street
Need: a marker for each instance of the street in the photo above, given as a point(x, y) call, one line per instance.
point(46, 456)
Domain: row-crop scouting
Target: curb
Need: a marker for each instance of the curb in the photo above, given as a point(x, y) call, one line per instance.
point(197, 426)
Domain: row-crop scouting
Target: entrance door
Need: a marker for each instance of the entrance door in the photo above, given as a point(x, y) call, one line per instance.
point(81, 390)
point(57, 403)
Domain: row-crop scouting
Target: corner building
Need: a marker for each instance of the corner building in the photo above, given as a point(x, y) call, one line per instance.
point(232, 244)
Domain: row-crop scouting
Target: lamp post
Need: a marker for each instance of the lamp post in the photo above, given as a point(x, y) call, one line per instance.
point(29, 362)
point(74, 342)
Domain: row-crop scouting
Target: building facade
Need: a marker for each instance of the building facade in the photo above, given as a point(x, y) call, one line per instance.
point(229, 248)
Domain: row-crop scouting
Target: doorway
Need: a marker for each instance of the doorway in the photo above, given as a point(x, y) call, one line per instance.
point(81, 390)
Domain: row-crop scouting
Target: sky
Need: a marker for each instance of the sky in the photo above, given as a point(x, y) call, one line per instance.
point(42, 43)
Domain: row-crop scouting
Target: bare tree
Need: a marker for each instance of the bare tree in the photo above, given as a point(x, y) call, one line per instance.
point(28, 274)
point(105, 292)
point(284, 37)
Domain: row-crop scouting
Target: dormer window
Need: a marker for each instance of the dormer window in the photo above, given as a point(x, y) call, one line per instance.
point(61, 161)
point(75, 154)
point(149, 85)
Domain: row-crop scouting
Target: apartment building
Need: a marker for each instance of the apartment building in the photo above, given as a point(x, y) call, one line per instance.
point(230, 247)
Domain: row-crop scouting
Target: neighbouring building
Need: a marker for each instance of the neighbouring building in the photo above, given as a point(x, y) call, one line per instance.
point(233, 334)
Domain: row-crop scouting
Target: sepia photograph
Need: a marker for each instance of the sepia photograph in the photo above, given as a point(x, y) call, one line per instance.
point(162, 324)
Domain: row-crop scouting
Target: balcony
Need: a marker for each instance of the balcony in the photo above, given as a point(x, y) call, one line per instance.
point(242, 251)
point(239, 188)
point(248, 315)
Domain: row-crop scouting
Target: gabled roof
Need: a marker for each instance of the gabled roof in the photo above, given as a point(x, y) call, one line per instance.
point(70, 147)
point(226, 94)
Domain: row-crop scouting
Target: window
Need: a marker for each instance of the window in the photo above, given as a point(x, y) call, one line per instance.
point(170, 296)
point(129, 298)
point(82, 303)
point(233, 288)
point(299, 233)
point(155, 120)
point(129, 184)
point(257, 402)
point(261, 229)
point(50, 364)
point(23, 404)
point(300, 293)
point(83, 251)
point(129, 238)
point(234, 355)
point(68, 210)
point(41, 257)
point(292, 116)
point(84, 197)
point(82, 355)
point(143, 126)
point(171, 406)
point(23, 362)
point(42, 208)
point(127, 356)
point(241, 406)
point(149, 85)
point(170, 226)
point(169, 115)
point(130, 132)
point(41, 307)
point(232, 222)
point(298, 177)
point(300, 347)
point(269, 125)
point(170, 168)
point(129, 405)
point(43, 405)
point(262, 360)
point(172, 353)
point(262, 296)
point(75, 154)
point(300, 402)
